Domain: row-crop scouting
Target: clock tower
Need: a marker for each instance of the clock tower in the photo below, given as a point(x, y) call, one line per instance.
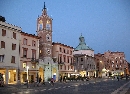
point(44, 31)
point(47, 68)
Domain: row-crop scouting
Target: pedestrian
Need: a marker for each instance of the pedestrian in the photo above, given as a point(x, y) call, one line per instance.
point(118, 78)
point(40, 79)
point(61, 79)
point(52, 81)
point(43, 82)
point(65, 79)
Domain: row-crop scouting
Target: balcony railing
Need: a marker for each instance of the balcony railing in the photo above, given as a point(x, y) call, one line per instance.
point(72, 64)
point(61, 63)
point(33, 60)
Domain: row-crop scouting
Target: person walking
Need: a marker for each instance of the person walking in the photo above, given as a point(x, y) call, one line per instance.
point(118, 78)
point(40, 79)
point(52, 81)
point(61, 79)
point(43, 82)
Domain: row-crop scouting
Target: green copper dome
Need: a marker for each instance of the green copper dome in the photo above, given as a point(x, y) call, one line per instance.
point(82, 45)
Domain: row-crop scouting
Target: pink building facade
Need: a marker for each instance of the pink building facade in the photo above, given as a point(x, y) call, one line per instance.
point(111, 64)
point(63, 54)
point(29, 53)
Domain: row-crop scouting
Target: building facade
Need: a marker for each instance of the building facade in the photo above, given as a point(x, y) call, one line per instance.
point(84, 59)
point(111, 64)
point(9, 52)
point(29, 54)
point(63, 54)
point(44, 31)
point(101, 64)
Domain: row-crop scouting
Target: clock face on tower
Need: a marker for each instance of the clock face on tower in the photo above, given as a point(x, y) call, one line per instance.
point(48, 37)
point(48, 51)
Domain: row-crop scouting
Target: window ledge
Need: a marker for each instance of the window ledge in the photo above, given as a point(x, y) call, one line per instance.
point(2, 62)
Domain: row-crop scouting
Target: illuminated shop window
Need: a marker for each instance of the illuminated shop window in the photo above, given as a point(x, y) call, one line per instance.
point(24, 65)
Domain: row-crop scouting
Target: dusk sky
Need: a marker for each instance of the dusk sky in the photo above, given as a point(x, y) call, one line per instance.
point(105, 24)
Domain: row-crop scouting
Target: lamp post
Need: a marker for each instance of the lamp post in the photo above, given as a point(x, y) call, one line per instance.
point(37, 72)
point(27, 75)
point(36, 61)
point(126, 73)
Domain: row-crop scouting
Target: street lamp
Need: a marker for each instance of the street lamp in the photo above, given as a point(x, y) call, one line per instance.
point(36, 61)
point(38, 72)
point(27, 75)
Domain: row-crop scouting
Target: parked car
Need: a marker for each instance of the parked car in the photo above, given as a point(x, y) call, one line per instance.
point(1, 80)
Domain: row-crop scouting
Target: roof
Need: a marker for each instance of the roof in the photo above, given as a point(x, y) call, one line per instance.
point(57, 43)
point(82, 45)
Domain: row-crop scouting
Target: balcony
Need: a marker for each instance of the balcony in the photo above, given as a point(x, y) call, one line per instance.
point(72, 64)
point(54, 59)
point(60, 63)
point(34, 61)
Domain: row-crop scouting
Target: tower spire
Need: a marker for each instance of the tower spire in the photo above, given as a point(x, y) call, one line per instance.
point(44, 6)
point(44, 10)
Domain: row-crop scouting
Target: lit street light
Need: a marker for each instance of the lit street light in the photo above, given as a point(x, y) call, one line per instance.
point(27, 75)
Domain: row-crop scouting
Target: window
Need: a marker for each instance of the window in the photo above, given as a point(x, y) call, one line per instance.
point(33, 66)
point(112, 65)
point(64, 50)
point(48, 27)
point(13, 59)
point(40, 51)
point(3, 32)
point(40, 27)
point(24, 52)
point(33, 43)
point(13, 46)
point(24, 65)
point(68, 67)
point(25, 41)
point(64, 58)
point(60, 49)
point(70, 52)
point(60, 59)
point(71, 67)
point(1, 58)
point(82, 66)
point(65, 67)
point(2, 44)
point(71, 60)
point(14, 35)
point(112, 62)
point(90, 66)
point(97, 63)
point(60, 66)
point(68, 59)
point(33, 53)
point(67, 51)
point(81, 59)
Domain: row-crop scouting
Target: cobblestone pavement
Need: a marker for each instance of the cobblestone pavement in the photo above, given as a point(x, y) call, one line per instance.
point(125, 89)
point(100, 86)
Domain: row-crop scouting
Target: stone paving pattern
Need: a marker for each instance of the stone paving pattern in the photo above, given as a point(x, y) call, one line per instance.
point(101, 86)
